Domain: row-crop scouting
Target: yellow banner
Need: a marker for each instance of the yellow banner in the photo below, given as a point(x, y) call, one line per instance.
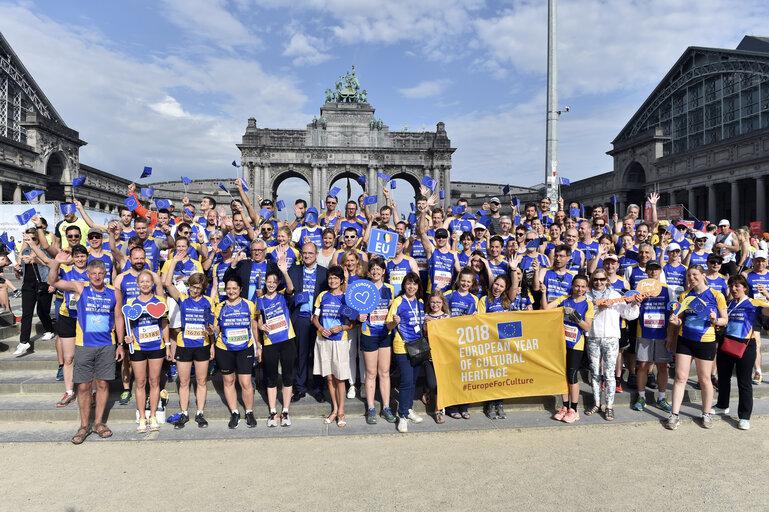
point(493, 356)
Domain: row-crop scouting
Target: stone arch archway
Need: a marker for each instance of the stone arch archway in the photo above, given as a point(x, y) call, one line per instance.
point(283, 176)
point(56, 174)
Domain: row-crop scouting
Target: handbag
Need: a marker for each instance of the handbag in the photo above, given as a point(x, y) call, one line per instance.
point(418, 351)
point(734, 347)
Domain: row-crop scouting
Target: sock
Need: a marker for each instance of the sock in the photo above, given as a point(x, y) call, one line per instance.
point(249, 411)
point(566, 404)
point(662, 395)
point(273, 411)
point(70, 392)
point(185, 413)
point(199, 412)
point(285, 411)
point(235, 411)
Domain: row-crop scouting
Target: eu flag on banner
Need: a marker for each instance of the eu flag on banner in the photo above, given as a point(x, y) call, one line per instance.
point(265, 213)
point(458, 210)
point(383, 176)
point(516, 201)
point(235, 164)
point(486, 221)
point(699, 225)
point(362, 180)
point(564, 181)
point(412, 218)
point(243, 183)
point(66, 209)
point(532, 244)
point(413, 209)
point(614, 198)
point(334, 191)
point(26, 216)
point(188, 212)
point(677, 235)
point(507, 330)
point(78, 181)
point(225, 243)
point(33, 194)
point(392, 184)
point(369, 200)
point(148, 191)
point(430, 183)
point(505, 190)
point(221, 186)
point(146, 172)
point(162, 203)
point(131, 203)
point(574, 212)
point(281, 204)
point(186, 180)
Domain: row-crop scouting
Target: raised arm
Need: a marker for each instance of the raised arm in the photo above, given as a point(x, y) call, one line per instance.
point(86, 217)
point(244, 199)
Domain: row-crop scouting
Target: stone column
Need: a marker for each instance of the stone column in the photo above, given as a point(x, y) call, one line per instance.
point(323, 182)
point(712, 213)
point(447, 186)
point(258, 171)
point(735, 220)
point(760, 202)
point(1, 191)
point(41, 198)
point(267, 183)
point(17, 194)
point(315, 188)
point(692, 206)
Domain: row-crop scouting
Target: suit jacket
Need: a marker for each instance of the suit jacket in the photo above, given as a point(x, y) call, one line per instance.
point(296, 273)
point(243, 269)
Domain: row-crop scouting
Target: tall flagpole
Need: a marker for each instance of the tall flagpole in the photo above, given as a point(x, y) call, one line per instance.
point(551, 138)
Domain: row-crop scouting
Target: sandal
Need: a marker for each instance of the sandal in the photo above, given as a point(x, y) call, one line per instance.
point(609, 415)
point(593, 410)
point(439, 417)
point(340, 421)
point(81, 434)
point(330, 419)
point(102, 430)
point(456, 415)
point(465, 415)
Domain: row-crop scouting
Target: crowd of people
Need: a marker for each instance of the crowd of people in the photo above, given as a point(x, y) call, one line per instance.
point(216, 289)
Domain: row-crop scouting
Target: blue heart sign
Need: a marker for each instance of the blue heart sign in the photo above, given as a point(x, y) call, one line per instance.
point(362, 296)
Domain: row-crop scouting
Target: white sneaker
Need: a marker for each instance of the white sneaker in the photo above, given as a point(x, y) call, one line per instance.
point(403, 425)
point(351, 392)
point(48, 336)
point(744, 425)
point(21, 349)
point(416, 418)
point(719, 411)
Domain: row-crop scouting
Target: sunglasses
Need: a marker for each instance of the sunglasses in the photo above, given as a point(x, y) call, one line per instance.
point(351, 236)
point(599, 279)
point(600, 225)
point(73, 236)
point(440, 237)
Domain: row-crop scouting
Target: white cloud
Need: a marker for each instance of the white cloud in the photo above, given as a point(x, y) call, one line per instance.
point(170, 107)
point(210, 20)
point(306, 50)
point(425, 89)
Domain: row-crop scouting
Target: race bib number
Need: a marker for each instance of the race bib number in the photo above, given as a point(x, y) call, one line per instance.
point(422, 264)
point(276, 324)
point(654, 320)
point(194, 331)
point(377, 317)
point(572, 333)
point(442, 279)
point(396, 276)
point(220, 289)
point(149, 333)
point(237, 336)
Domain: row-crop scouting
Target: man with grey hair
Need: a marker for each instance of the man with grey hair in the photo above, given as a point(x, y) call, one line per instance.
point(253, 270)
point(98, 307)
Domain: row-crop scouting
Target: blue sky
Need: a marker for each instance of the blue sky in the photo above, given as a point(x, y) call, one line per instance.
point(171, 83)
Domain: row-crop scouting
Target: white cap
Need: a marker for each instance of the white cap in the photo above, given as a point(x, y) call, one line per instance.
point(723, 222)
point(760, 254)
point(673, 247)
point(700, 234)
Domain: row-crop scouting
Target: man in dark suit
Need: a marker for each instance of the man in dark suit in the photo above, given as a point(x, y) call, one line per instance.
point(309, 281)
point(253, 270)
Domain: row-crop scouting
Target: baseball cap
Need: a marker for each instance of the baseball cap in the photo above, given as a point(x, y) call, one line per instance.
point(759, 254)
point(715, 257)
point(478, 225)
point(681, 224)
point(653, 263)
point(673, 247)
point(611, 256)
point(441, 233)
point(494, 200)
point(699, 234)
point(723, 222)
point(95, 231)
point(267, 202)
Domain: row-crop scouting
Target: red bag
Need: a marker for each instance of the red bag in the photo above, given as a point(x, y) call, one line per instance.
point(734, 347)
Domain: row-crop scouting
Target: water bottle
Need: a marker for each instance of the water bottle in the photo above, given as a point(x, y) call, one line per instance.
point(163, 399)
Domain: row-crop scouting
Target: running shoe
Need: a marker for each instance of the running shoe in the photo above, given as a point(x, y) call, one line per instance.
point(561, 413)
point(501, 412)
point(60, 373)
point(285, 419)
point(154, 425)
point(707, 421)
point(756, 378)
point(490, 412)
point(388, 415)
point(371, 416)
point(142, 427)
point(743, 425)
point(21, 349)
point(234, 420)
point(250, 420)
point(720, 411)
point(200, 420)
point(639, 404)
point(571, 416)
point(672, 422)
point(416, 418)
point(664, 405)
point(619, 385)
point(271, 421)
point(16, 294)
point(403, 425)
point(183, 419)
point(125, 397)
point(48, 336)
point(65, 400)
point(351, 392)
point(172, 371)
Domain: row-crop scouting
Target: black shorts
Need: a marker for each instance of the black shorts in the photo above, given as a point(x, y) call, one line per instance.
point(189, 354)
point(631, 329)
point(143, 355)
point(374, 343)
point(238, 361)
point(66, 327)
point(573, 363)
point(697, 349)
